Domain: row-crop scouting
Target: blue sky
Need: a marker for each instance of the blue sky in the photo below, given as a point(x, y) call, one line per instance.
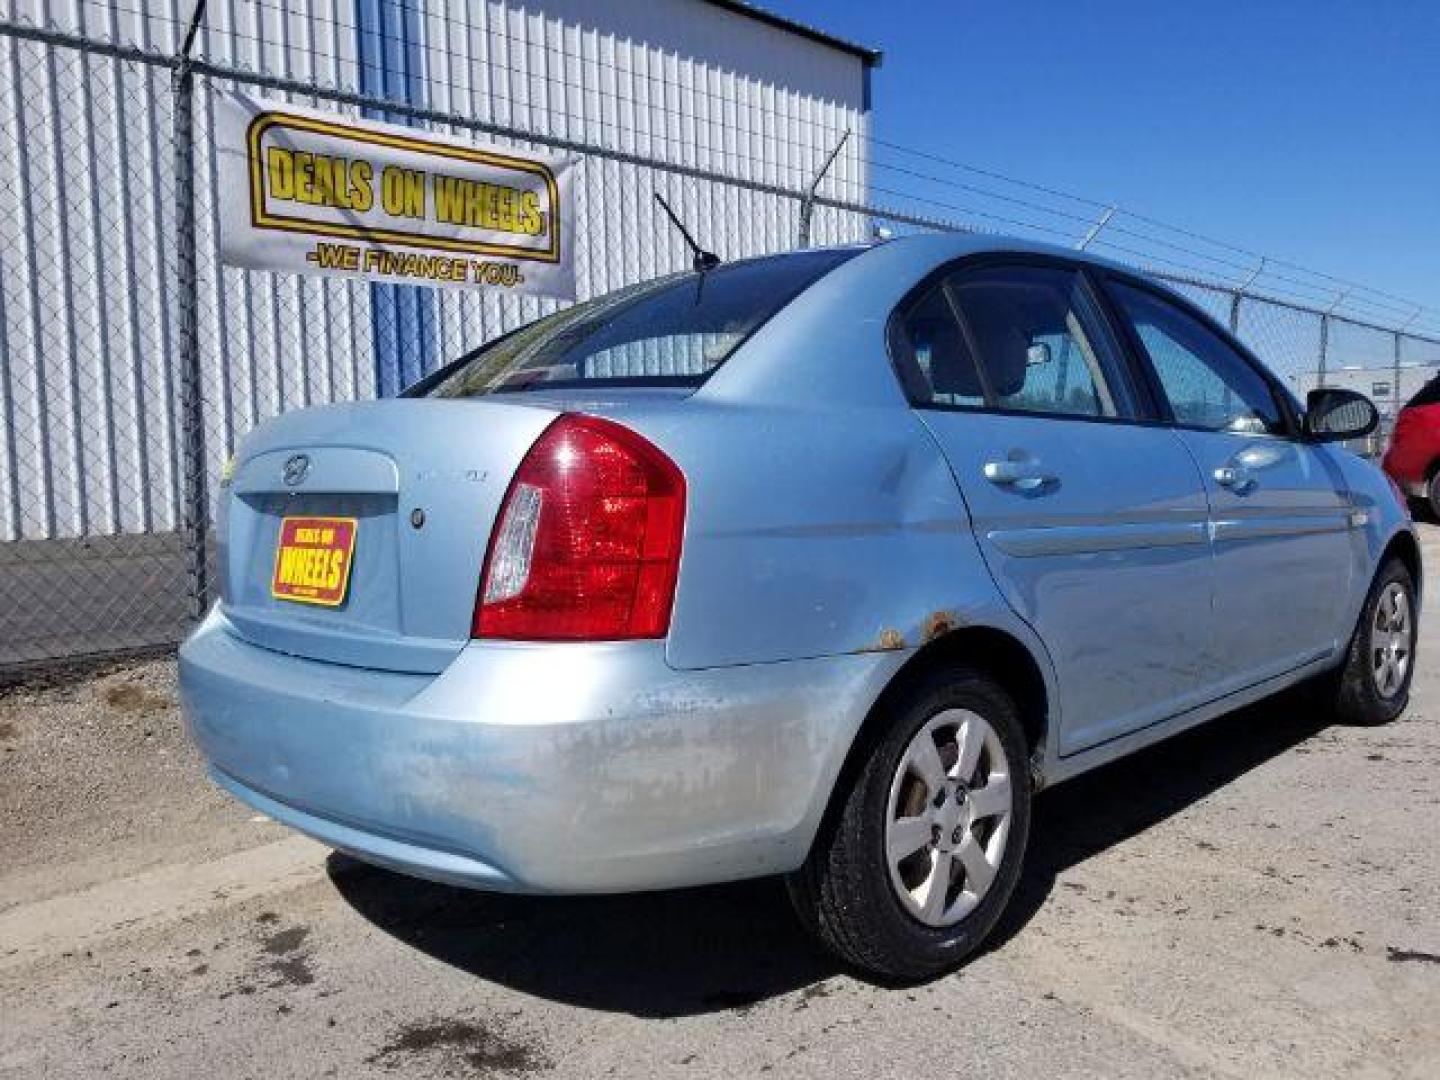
point(1304, 130)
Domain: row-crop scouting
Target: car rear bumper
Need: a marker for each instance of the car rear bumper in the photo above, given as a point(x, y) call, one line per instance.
point(535, 768)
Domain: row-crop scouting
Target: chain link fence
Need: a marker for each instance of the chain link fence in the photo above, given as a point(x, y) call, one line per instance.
point(91, 552)
point(133, 361)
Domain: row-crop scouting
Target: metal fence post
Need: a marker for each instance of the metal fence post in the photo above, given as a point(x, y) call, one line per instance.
point(1240, 293)
point(196, 506)
point(1399, 355)
point(1324, 348)
point(1094, 230)
point(807, 204)
point(1325, 333)
point(1395, 385)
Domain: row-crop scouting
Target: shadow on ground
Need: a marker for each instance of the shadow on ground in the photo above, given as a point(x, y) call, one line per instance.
point(729, 947)
point(1093, 812)
point(661, 954)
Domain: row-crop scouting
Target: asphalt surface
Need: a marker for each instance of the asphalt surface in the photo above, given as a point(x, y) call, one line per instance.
point(1257, 898)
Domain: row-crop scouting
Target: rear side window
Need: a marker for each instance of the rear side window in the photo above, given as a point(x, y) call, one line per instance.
point(932, 355)
point(1020, 339)
point(1209, 385)
point(674, 331)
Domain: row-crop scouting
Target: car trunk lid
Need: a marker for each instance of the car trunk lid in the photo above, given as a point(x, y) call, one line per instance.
point(411, 486)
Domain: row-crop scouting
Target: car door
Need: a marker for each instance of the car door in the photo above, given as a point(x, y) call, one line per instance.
point(1091, 519)
point(1280, 511)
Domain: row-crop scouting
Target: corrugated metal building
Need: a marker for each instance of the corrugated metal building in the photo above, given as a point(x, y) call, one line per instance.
point(714, 89)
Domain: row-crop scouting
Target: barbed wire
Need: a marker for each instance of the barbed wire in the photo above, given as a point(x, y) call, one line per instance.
point(747, 139)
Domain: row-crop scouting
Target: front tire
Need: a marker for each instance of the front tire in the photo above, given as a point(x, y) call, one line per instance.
point(919, 860)
point(1374, 685)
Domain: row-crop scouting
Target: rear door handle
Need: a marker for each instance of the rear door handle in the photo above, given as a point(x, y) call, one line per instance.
point(1026, 474)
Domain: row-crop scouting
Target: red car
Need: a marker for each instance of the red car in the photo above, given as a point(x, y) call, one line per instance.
point(1413, 460)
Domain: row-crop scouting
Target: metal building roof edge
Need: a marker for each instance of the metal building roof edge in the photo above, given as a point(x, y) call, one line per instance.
point(872, 57)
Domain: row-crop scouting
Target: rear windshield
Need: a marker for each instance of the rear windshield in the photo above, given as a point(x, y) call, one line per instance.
point(1429, 394)
point(672, 331)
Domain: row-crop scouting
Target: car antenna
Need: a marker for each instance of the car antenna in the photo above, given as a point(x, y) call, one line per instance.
point(703, 260)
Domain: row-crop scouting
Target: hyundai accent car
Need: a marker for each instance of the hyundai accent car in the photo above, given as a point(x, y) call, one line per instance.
point(817, 565)
point(1413, 459)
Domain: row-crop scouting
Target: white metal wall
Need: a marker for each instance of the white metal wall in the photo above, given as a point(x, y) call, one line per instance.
point(86, 216)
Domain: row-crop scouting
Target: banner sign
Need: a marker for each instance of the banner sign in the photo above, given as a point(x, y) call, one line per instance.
point(308, 192)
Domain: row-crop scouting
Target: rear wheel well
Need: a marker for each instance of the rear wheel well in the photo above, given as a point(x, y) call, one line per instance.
point(1403, 547)
point(983, 649)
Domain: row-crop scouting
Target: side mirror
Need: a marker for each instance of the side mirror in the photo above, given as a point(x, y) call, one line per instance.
point(1038, 353)
point(1332, 415)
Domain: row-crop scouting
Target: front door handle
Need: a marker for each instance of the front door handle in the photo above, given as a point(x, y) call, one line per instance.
point(1235, 477)
point(1026, 474)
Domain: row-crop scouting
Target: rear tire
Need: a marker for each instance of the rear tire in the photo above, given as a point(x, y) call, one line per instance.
point(916, 864)
point(1432, 495)
point(1374, 685)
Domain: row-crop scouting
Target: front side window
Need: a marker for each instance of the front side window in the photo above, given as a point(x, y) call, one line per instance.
point(1020, 339)
point(1209, 385)
point(673, 331)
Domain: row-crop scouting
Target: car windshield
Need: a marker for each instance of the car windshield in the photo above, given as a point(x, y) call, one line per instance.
point(672, 331)
point(1429, 394)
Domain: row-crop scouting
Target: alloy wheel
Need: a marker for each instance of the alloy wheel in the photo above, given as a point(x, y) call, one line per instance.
point(948, 817)
point(1391, 640)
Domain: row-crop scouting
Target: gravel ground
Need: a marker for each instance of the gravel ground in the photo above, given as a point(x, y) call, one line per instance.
point(1257, 898)
point(97, 778)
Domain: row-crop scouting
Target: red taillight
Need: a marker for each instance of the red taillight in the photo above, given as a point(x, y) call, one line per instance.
point(587, 543)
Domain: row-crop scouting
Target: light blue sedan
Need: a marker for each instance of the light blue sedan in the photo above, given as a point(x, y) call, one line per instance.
point(821, 564)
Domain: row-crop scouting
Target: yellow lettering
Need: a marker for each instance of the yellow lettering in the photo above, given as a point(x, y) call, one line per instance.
point(320, 180)
point(362, 193)
point(487, 206)
point(335, 257)
point(304, 177)
point(449, 204)
point(531, 219)
point(282, 173)
point(402, 192)
point(505, 208)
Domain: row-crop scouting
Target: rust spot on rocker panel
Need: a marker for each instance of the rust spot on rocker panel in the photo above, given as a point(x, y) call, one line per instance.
point(888, 641)
point(937, 624)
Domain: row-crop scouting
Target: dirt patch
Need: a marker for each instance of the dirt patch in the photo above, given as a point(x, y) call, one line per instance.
point(460, 1042)
point(134, 697)
point(60, 674)
point(293, 971)
point(99, 775)
point(813, 992)
point(286, 941)
point(1404, 956)
point(292, 964)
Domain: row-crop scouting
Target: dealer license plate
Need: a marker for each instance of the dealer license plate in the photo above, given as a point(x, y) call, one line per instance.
point(312, 560)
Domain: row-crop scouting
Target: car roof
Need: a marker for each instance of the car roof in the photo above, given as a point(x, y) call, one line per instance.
point(822, 344)
point(944, 247)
